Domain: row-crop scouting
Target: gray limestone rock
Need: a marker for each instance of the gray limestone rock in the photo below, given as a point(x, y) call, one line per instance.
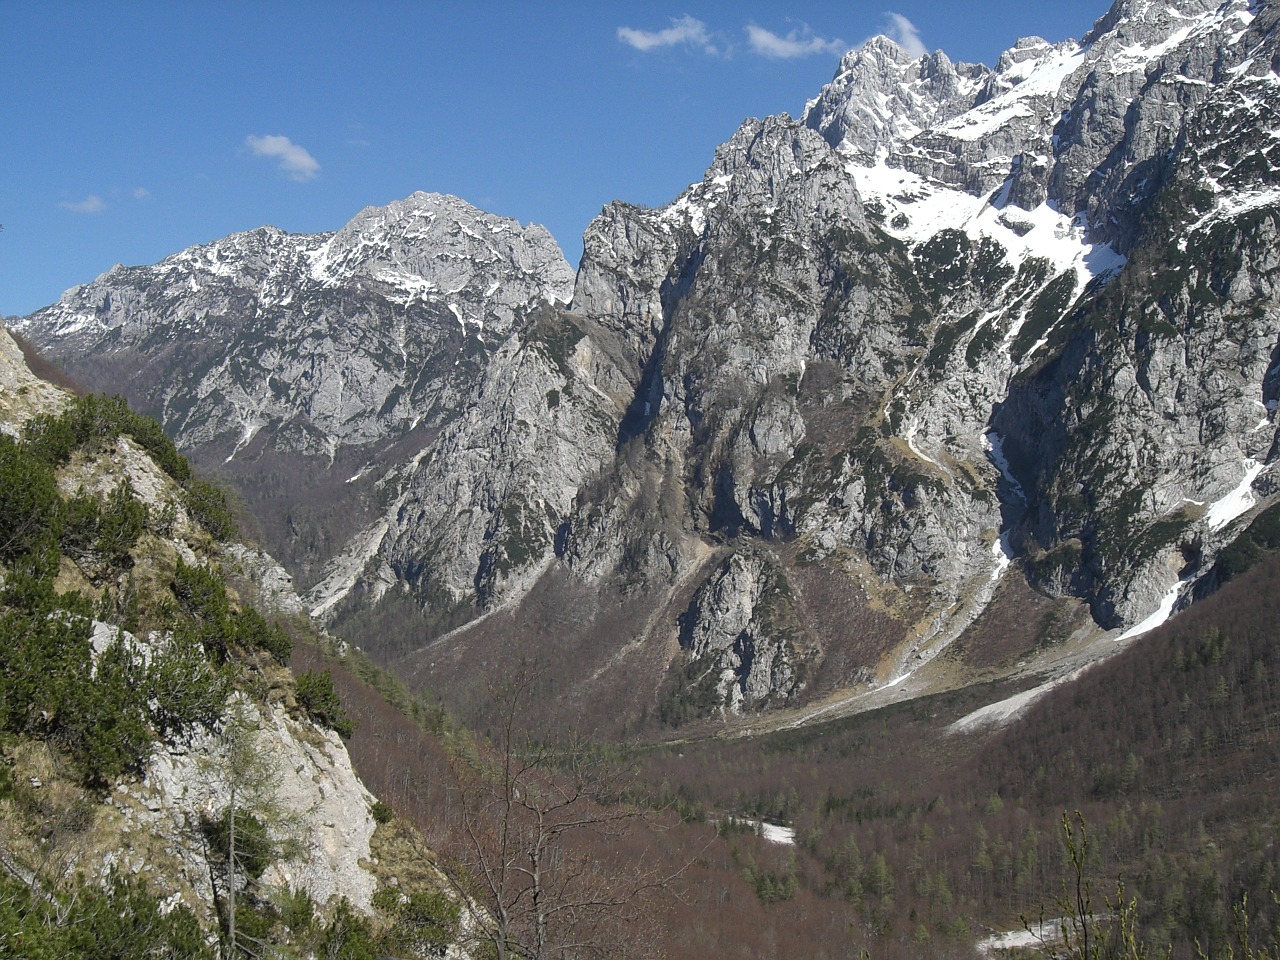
point(736, 629)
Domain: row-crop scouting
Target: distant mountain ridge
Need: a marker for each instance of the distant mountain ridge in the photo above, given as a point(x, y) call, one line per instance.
point(278, 359)
point(794, 431)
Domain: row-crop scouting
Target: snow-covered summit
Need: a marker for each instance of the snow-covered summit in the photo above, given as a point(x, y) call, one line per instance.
point(1042, 127)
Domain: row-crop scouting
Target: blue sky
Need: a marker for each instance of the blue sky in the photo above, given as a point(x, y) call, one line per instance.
point(132, 130)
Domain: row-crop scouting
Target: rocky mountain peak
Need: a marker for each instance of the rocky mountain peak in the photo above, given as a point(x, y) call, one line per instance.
point(265, 347)
point(431, 244)
point(1149, 18)
point(881, 96)
point(1027, 48)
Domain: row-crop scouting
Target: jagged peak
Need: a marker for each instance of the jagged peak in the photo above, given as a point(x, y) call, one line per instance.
point(768, 152)
point(1147, 20)
point(1026, 48)
point(879, 46)
point(881, 96)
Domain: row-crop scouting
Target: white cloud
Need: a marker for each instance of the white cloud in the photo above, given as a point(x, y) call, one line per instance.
point(141, 193)
point(904, 33)
point(800, 42)
point(294, 160)
point(685, 31)
point(90, 204)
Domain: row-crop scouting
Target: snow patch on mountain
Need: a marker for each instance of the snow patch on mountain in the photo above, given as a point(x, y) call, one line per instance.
point(916, 209)
point(1239, 501)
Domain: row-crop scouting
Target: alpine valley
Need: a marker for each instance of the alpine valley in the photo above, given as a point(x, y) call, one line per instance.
point(913, 407)
point(784, 439)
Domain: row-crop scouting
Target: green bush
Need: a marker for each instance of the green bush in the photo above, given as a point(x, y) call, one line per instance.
point(254, 851)
point(105, 712)
point(120, 920)
point(349, 936)
point(184, 690)
point(320, 700)
point(87, 421)
point(101, 532)
point(200, 592)
point(124, 517)
point(104, 722)
point(253, 632)
point(95, 418)
point(207, 504)
point(297, 910)
point(28, 499)
point(426, 922)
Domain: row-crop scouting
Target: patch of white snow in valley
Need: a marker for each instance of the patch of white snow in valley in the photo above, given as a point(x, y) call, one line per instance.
point(1158, 616)
point(457, 312)
point(1238, 501)
point(993, 443)
point(1003, 554)
point(909, 434)
point(247, 429)
point(1034, 935)
point(776, 833)
point(772, 832)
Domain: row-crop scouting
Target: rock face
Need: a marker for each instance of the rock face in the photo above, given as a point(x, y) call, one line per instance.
point(953, 322)
point(331, 826)
point(22, 393)
point(735, 628)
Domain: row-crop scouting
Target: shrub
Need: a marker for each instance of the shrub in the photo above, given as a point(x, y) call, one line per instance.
point(426, 923)
point(320, 700)
point(103, 533)
point(200, 592)
point(253, 632)
point(118, 920)
point(349, 936)
point(254, 848)
point(207, 504)
point(28, 498)
point(297, 910)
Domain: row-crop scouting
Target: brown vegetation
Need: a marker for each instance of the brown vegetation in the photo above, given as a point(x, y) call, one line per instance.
point(913, 843)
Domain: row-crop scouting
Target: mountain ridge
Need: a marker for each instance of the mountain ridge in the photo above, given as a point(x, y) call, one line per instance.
point(903, 344)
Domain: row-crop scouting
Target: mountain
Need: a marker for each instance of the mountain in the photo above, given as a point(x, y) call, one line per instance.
point(302, 368)
point(957, 332)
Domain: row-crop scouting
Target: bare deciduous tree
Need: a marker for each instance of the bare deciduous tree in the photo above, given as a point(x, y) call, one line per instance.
point(537, 850)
